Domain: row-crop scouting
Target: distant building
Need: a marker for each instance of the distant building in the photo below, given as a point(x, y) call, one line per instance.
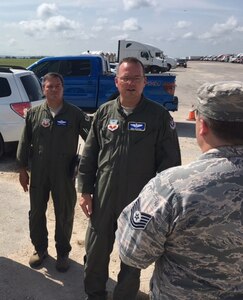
point(111, 57)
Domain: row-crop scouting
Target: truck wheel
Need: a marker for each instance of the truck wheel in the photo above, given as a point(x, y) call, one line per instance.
point(155, 69)
point(1, 146)
point(168, 67)
point(147, 69)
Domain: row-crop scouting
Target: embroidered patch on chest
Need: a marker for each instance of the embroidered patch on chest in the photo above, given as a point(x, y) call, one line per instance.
point(61, 122)
point(136, 126)
point(113, 125)
point(46, 123)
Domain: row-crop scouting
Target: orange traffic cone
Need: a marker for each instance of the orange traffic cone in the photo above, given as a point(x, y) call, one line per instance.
point(191, 116)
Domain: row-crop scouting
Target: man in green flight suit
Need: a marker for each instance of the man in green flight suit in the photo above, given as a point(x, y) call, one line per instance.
point(131, 139)
point(49, 142)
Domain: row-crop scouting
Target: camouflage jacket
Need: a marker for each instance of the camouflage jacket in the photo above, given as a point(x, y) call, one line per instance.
point(189, 221)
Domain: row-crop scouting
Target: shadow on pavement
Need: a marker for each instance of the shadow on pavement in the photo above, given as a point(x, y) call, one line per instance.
point(20, 282)
point(185, 129)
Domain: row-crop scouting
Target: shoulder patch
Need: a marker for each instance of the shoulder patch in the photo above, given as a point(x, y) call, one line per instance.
point(172, 124)
point(86, 117)
point(138, 219)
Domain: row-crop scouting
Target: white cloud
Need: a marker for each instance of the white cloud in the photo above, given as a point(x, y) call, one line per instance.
point(239, 29)
point(183, 24)
point(188, 35)
point(97, 28)
point(60, 23)
point(31, 28)
point(174, 25)
point(12, 42)
point(47, 22)
point(230, 24)
point(131, 25)
point(46, 10)
point(100, 26)
point(171, 39)
point(120, 37)
point(220, 30)
point(102, 21)
point(53, 24)
point(131, 4)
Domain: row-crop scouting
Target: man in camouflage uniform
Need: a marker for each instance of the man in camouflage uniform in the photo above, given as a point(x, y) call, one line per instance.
point(189, 219)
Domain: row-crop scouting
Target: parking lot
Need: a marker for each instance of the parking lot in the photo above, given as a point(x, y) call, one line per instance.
point(18, 281)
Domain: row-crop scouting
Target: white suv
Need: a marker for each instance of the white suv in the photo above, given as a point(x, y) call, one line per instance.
point(19, 90)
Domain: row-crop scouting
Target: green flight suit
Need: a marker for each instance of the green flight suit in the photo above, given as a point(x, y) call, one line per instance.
point(122, 153)
point(50, 144)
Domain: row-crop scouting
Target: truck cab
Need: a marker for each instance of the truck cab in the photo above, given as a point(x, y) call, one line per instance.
point(150, 56)
point(88, 80)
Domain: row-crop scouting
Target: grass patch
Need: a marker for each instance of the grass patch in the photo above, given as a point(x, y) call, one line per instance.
point(22, 62)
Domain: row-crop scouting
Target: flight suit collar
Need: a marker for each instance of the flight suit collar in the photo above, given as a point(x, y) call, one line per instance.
point(63, 109)
point(138, 108)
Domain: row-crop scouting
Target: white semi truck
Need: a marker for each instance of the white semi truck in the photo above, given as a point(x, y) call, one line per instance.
point(153, 58)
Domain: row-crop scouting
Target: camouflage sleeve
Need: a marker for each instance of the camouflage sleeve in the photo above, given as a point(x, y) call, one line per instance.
point(144, 225)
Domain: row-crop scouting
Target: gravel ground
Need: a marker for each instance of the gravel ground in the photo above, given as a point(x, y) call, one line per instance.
point(17, 280)
point(20, 282)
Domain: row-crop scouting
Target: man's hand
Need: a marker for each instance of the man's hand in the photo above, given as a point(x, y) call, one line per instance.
point(86, 204)
point(24, 179)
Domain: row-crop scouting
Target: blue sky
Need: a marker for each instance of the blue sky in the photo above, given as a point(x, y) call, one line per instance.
point(178, 27)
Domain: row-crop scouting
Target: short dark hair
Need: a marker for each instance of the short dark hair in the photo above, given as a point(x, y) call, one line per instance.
point(52, 75)
point(132, 60)
point(231, 132)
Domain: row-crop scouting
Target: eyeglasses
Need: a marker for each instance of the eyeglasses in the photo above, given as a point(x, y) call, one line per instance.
point(131, 79)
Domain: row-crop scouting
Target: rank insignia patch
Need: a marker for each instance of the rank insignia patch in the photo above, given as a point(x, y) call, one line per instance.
point(138, 219)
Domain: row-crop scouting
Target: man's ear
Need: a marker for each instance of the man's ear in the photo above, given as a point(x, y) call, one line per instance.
point(203, 127)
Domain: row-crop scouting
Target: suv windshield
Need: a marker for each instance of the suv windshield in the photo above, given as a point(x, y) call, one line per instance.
point(32, 87)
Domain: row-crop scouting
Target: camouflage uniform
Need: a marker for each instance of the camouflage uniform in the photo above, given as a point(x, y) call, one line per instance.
point(189, 221)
